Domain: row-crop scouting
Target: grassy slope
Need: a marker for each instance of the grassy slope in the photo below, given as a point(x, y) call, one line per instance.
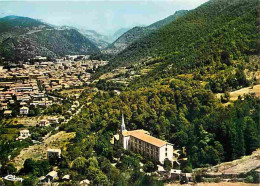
point(39, 151)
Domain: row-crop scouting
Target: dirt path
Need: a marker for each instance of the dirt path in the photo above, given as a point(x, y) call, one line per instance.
point(31, 121)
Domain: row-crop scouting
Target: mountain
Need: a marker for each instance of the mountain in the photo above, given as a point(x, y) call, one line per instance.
point(167, 20)
point(203, 30)
point(118, 33)
point(101, 41)
point(11, 22)
point(138, 32)
point(22, 38)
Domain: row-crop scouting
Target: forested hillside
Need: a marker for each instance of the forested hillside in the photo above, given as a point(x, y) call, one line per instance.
point(205, 52)
point(22, 38)
point(8, 23)
point(184, 39)
point(179, 111)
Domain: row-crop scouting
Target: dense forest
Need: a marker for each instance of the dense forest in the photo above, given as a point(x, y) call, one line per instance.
point(214, 32)
point(178, 111)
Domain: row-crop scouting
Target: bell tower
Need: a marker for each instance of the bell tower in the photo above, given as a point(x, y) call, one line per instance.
point(123, 124)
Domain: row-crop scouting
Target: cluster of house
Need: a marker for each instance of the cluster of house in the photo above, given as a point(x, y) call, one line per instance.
point(47, 122)
point(30, 84)
point(76, 57)
point(25, 133)
point(22, 90)
point(176, 174)
point(53, 175)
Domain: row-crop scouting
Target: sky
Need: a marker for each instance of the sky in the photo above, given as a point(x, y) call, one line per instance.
point(105, 17)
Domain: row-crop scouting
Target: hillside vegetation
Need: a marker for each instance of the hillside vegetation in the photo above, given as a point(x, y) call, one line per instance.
point(22, 38)
point(214, 32)
point(173, 75)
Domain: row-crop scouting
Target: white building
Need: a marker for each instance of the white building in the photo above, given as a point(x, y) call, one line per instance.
point(24, 134)
point(51, 176)
point(140, 141)
point(24, 110)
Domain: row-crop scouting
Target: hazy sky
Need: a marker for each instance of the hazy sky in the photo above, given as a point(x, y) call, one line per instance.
point(103, 16)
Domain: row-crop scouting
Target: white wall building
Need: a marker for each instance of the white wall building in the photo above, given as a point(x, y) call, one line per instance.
point(140, 141)
point(24, 134)
point(24, 110)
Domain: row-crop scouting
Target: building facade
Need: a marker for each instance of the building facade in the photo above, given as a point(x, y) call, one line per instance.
point(53, 153)
point(141, 142)
point(24, 110)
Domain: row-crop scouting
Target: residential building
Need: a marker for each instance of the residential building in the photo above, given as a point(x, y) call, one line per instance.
point(24, 134)
point(53, 153)
point(24, 110)
point(8, 112)
point(44, 123)
point(66, 177)
point(51, 176)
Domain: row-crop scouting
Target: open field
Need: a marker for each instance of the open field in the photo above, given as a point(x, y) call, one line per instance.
point(39, 151)
point(71, 92)
point(247, 90)
point(243, 165)
point(110, 75)
point(29, 121)
point(9, 134)
point(215, 184)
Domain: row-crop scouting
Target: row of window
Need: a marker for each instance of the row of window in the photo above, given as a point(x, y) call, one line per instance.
point(143, 144)
point(144, 148)
point(151, 155)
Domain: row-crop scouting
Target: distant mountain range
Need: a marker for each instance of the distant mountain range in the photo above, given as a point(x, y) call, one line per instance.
point(101, 41)
point(118, 33)
point(22, 38)
point(128, 37)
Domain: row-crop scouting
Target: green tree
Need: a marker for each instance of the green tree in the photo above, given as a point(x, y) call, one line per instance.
point(167, 165)
point(80, 164)
point(150, 167)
